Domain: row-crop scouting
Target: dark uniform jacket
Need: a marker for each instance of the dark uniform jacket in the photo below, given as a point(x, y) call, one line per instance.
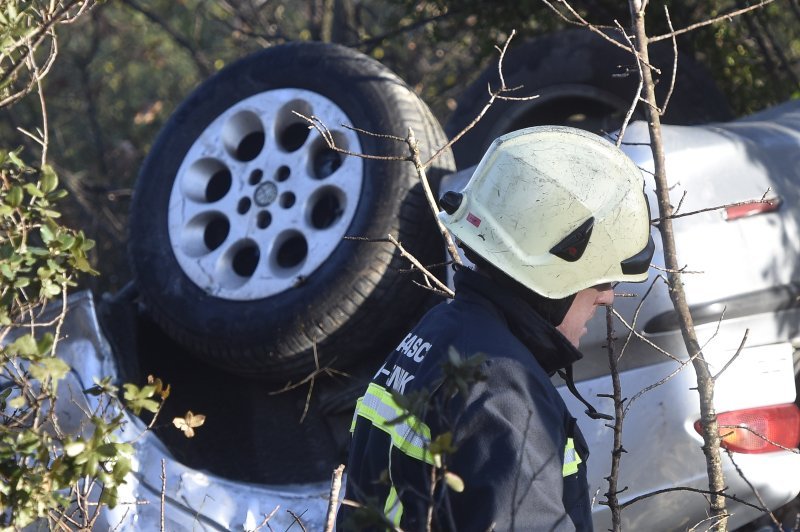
point(518, 451)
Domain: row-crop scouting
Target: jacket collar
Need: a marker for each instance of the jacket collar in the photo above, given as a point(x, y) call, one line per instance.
point(549, 347)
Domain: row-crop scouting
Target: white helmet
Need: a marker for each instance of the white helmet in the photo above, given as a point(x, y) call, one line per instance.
point(557, 209)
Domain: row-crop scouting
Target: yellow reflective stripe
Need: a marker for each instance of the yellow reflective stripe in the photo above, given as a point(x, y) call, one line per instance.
point(355, 415)
point(571, 459)
point(411, 436)
point(393, 509)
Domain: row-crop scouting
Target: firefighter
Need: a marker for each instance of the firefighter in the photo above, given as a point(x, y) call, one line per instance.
point(461, 428)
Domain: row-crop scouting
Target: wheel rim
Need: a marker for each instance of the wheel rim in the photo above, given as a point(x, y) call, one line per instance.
point(260, 201)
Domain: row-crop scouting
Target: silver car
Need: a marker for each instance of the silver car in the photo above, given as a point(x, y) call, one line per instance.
point(235, 263)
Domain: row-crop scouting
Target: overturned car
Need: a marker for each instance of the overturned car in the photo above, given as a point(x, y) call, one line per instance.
point(261, 259)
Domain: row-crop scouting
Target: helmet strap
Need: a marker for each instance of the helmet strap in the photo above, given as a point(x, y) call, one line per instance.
point(591, 411)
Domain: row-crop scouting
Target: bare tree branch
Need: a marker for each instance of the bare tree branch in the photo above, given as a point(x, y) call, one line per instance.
point(619, 417)
point(637, 94)
point(735, 355)
point(493, 95)
point(763, 199)
point(708, 22)
point(443, 287)
point(692, 490)
point(764, 507)
point(710, 430)
point(310, 379)
point(163, 493)
point(674, 63)
point(754, 432)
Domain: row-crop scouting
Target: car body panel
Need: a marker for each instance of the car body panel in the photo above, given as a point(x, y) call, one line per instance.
point(193, 499)
point(760, 155)
point(732, 267)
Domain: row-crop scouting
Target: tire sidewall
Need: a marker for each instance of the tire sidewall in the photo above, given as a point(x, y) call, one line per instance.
point(354, 84)
point(571, 62)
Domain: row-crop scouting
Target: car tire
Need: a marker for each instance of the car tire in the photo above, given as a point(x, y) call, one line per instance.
point(241, 211)
point(581, 80)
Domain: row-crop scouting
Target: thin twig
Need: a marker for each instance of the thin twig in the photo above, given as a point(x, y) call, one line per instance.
point(443, 287)
point(163, 492)
point(642, 338)
point(759, 435)
point(679, 270)
point(325, 133)
point(763, 199)
point(413, 147)
point(296, 520)
point(726, 16)
point(764, 507)
point(680, 202)
point(583, 23)
point(267, 518)
point(431, 289)
point(493, 95)
point(674, 62)
point(693, 490)
point(683, 364)
point(637, 96)
point(735, 355)
point(714, 519)
point(310, 378)
point(636, 314)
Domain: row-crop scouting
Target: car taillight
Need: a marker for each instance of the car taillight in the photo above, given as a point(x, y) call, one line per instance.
point(759, 430)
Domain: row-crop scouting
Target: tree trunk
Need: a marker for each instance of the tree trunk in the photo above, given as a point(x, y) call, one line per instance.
point(705, 381)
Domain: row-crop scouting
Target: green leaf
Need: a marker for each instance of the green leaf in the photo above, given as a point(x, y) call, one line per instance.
point(51, 289)
point(83, 265)
point(14, 158)
point(109, 450)
point(14, 196)
point(125, 449)
point(121, 468)
point(24, 346)
point(139, 399)
point(49, 179)
point(3, 397)
point(6, 270)
point(50, 367)
point(109, 497)
point(47, 234)
point(149, 405)
point(57, 194)
point(75, 448)
point(17, 402)
point(66, 240)
point(45, 343)
point(33, 190)
point(442, 444)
